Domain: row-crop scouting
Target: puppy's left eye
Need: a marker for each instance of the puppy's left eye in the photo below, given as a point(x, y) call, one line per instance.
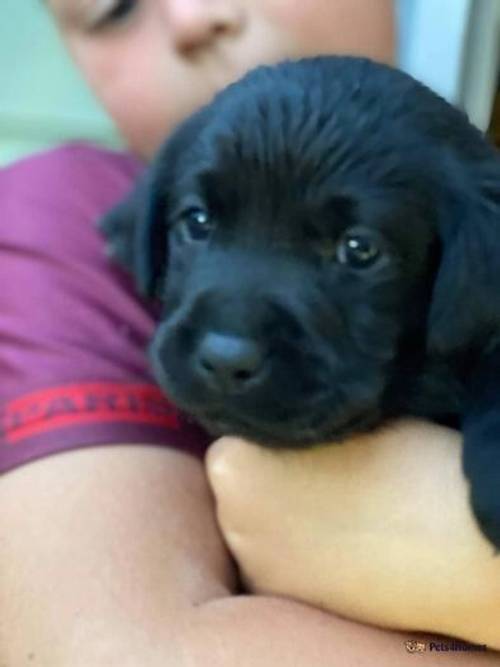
point(196, 224)
point(358, 251)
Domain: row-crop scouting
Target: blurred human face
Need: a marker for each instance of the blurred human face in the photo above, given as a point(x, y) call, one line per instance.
point(153, 62)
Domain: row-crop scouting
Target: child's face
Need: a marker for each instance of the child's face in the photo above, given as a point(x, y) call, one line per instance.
point(153, 62)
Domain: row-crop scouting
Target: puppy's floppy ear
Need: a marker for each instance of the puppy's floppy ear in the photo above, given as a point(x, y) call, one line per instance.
point(136, 237)
point(137, 228)
point(465, 307)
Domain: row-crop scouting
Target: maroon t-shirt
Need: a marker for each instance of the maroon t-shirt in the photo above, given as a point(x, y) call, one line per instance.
point(73, 331)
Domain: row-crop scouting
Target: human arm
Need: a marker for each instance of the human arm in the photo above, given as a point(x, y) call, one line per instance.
point(111, 556)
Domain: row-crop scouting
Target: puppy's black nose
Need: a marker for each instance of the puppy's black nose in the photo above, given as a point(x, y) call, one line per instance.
point(228, 363)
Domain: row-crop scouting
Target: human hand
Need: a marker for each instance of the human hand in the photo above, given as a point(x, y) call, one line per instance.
point(377, 529)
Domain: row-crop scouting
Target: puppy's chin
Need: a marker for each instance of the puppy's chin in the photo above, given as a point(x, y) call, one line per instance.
point(318, 422)
point(295, 433)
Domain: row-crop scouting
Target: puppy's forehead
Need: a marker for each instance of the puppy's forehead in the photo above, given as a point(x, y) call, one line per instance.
point(309, 130)
point(279, 136)
point(299, 136)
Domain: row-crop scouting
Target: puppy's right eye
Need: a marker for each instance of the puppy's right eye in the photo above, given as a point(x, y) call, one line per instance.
point(196, 224)
point(358, 251)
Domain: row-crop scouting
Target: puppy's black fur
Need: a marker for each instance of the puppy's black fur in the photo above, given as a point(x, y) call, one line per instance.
point(325, 240)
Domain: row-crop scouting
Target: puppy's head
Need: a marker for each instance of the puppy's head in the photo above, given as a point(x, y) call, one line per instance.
point(309, 234)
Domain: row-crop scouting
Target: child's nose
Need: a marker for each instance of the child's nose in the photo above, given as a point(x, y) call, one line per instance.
point(196, 23)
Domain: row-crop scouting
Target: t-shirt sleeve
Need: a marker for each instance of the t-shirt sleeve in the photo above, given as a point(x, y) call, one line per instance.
point(73, 331)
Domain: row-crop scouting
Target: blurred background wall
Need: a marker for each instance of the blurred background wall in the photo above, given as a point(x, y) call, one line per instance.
point(453, 46)
point(42, 98)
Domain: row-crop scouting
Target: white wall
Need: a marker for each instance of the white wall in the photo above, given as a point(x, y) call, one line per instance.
point(453, 47)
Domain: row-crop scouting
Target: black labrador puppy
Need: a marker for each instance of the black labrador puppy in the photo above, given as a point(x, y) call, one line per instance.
point(325, 240)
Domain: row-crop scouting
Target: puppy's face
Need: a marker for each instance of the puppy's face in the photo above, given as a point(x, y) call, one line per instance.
point(286, 306)
point(298, 263)
point(292, 236)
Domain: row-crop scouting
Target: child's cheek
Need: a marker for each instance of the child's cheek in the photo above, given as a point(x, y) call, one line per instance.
point(129, 83)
